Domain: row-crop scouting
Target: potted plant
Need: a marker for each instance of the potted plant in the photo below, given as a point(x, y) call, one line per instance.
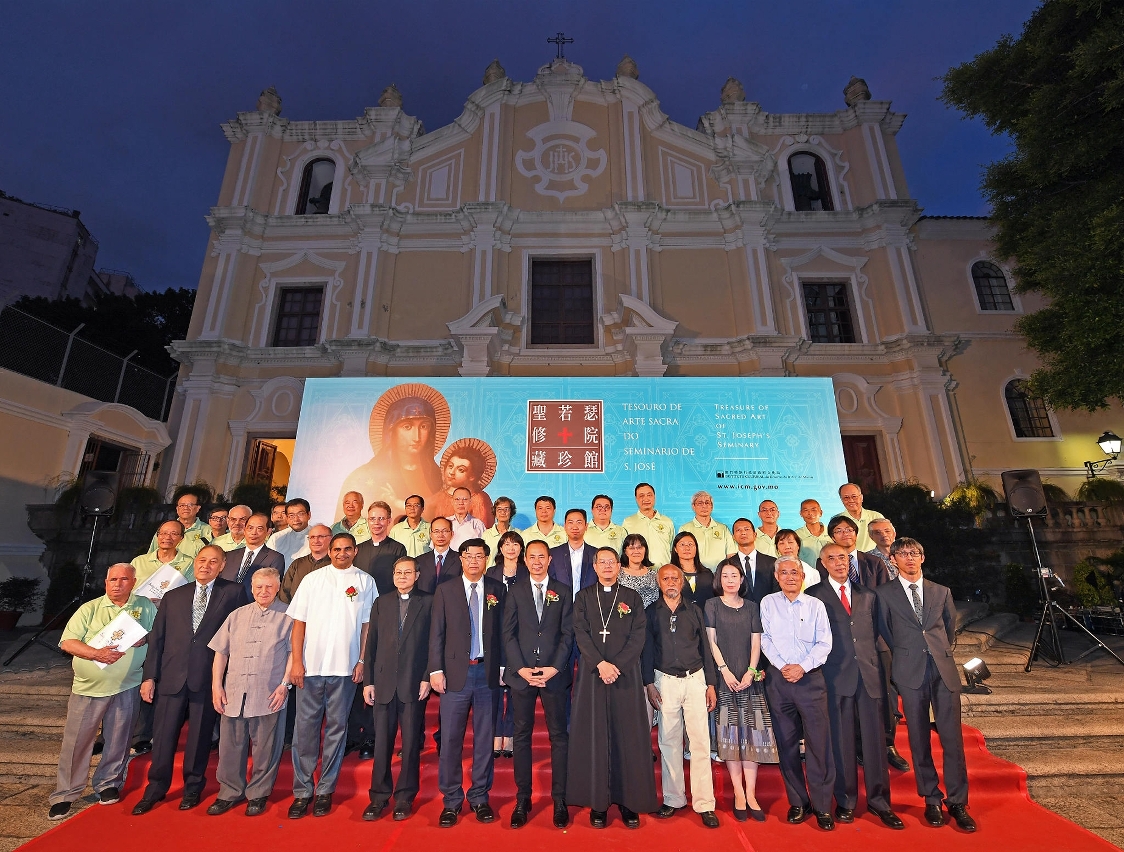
point(17, 596)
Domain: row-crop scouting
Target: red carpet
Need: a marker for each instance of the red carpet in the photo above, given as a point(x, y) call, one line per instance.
point(1007, 817)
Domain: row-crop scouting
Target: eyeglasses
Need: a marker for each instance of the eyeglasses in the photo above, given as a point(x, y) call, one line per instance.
point(671, 625)
point(911, 554)
point(418, 506)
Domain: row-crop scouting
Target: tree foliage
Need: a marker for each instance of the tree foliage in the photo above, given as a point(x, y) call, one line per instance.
point(147, 323)
point(1058, 199)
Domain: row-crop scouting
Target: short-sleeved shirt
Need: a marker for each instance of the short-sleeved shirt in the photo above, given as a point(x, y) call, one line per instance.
point(658, 531)
point(256, 642)
point(227, 543)
point(470, 527)
point(194, 537)
point(148, 564)
point(715, 541)
point(612, 536)
point(733, 633)
point(811, 545)
point(90, 679)
point(644, 585)
point(764, 543)
point(359, 529)
point(415, 540)
point(492, 537)
point(864, 542)
point(333, 618)
point(554, 538)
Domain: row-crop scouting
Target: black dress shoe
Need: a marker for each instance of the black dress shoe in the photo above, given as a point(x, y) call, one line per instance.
point(709, 819)
point(144, 806)
point(448, 817)
point(561, 814)
point(143, 747)
point(665, 812)
point(889, 819)
point(519, 815)
point(598, 819)
point(631, 818)
point(256, 807)
point(824, 820)
point(367, 751)
point(189, 801)
point(845, 814)
point(741, 814)
point(896, 760)
point(221, 806)
point(484, 813)
point(373, 811)
point(401, 811)
point(963, 821)
point(299, 808)
point(322, 805)
point(757, 814)
point(934, 816)
point(797, 814)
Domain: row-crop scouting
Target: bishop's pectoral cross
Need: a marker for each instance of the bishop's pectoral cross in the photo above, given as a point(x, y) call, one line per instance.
point(604, 632)
point(560, 40)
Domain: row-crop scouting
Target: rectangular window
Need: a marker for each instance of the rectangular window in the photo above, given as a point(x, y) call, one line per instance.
point(298, 316)
point(829, 313)
point(562, 302)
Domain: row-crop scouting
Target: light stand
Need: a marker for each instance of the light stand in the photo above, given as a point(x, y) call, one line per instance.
point(87, 582)
point(1051, 609)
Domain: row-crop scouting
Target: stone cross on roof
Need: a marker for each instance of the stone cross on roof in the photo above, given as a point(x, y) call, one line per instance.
point(560, 40)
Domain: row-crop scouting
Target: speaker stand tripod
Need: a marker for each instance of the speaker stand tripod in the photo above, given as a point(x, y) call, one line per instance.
point(64, 612)
point(1047, 641)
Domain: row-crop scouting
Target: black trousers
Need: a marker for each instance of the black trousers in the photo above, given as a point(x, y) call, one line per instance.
point(167, 723)
point(800, 709)
point(862, 715)
point(946, 711)
point(387, 719)
point(890, 713)
point(554, 706)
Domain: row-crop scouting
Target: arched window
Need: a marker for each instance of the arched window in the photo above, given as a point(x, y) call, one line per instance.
point(810, 187)
point(1029, 415)
point(316, 187)
point(992, 291)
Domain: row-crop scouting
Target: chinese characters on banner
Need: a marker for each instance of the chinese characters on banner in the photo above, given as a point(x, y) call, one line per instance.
point(565, 436)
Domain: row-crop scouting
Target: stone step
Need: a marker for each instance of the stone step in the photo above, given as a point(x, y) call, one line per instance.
point(1078, 763)
point(980, 635)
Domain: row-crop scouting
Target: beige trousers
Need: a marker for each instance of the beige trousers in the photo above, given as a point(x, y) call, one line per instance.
point(684, 705)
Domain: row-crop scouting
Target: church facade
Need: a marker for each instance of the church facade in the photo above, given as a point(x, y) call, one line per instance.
point(565, 226)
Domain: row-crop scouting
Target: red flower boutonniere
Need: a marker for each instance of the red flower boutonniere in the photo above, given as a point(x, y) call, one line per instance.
point(491, 600)
point(351, 592)
point(623, 609)
point(551, 597)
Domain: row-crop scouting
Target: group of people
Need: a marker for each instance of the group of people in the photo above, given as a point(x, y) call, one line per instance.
point(746, 644)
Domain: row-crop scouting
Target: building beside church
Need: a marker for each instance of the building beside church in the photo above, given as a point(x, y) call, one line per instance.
point(565, 226)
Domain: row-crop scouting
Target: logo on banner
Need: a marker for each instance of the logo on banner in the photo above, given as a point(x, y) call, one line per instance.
point(565, 436)
point(561, 159)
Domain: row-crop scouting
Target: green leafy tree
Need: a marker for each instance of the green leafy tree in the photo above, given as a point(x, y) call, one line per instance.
point(1057, 91)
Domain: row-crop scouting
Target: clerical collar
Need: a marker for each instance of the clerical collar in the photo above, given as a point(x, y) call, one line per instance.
point(404, 597)
point(605, 588)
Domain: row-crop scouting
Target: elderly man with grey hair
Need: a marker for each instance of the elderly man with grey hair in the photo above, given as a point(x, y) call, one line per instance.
point(250, 691)
point(714, 539)
point(105, 692)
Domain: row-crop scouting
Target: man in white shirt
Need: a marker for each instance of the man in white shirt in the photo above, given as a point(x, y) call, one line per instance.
point(602, 532)
point(330, 611)
point(714, 539)
point(544, 528)
point(293, 541)
point(657, 529)
point(465, 525)
point(852, 498)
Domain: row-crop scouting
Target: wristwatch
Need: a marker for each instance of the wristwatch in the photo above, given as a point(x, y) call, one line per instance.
point(723, 666)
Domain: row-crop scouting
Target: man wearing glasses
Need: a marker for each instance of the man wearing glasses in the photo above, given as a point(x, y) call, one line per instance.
point(679, 677)
point(195, 532)
point(918, 622)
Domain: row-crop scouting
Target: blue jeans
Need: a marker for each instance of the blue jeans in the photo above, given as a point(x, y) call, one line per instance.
point(476, 695)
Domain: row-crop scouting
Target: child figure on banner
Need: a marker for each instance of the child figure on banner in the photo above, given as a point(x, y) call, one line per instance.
point(467, 463)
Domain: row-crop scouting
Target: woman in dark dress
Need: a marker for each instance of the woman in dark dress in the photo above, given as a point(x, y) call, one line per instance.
point(508, 566)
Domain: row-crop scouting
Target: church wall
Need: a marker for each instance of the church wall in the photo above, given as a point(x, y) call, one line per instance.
point(428, 291)
point(696, 292)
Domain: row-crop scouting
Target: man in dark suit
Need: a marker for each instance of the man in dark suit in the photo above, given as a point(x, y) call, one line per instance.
point(538, 635)
point(440, 564)
point(918, 622)
point(572, 563)
point(759, 568)
point(241, 564)
point(465, 655)
point(396, 685)
point(180, 661)
point(853, 674)
point(378, 555)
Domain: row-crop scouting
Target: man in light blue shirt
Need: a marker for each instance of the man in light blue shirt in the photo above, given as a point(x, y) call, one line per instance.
point(796, 638)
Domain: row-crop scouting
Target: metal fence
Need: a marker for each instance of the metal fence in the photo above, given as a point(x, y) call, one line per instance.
point(35, 348)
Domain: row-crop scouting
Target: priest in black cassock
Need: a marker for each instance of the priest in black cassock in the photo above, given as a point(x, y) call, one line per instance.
point(610, 740)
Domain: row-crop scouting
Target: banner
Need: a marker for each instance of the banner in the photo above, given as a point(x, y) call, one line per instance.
point(743, 440)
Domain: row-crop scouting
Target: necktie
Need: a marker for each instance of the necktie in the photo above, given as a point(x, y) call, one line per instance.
point(474, 628)
point(199, 609)
point(853, 574)
point(916, 601)
point(538, 599)
point(440, 559)
point(843, 598)
point(748, 569)
point(245, 564)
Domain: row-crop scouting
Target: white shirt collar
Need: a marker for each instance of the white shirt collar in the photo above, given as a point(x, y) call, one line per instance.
point(837, 586)
point(906, 584)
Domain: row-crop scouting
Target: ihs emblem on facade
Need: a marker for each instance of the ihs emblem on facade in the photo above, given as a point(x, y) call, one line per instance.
point(561, 160)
